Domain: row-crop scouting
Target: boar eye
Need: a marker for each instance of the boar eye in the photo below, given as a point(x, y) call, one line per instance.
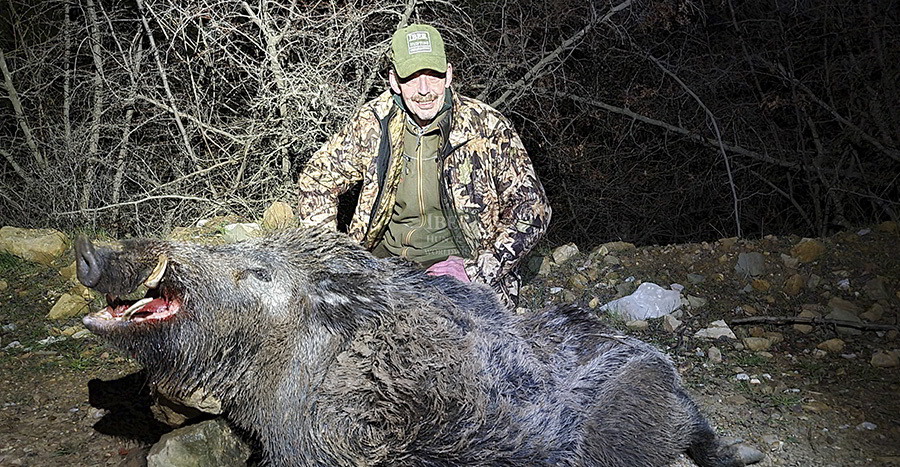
point(259, 273)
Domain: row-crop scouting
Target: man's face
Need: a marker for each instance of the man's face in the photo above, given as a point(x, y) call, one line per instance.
point(423, 92)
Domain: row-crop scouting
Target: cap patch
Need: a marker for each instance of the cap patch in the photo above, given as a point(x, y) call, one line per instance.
point(418, 42)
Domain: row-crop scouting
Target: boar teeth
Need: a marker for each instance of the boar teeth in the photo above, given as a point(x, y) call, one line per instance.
point(157, 272)
point(134, 308)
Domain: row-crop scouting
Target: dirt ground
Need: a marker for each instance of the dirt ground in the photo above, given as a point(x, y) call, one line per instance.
point(74, 402)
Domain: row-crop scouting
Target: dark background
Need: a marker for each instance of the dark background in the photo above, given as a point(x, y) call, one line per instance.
point(647, 121)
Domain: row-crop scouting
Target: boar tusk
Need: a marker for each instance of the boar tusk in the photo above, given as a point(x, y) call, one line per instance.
point(157, 272)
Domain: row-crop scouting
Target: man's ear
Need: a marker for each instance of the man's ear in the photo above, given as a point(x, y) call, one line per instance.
point(448, 76)
point(395, 84)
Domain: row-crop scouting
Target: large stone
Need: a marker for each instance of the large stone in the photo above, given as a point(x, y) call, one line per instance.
point(41, 245)
point(884, 360)
point(278, 216)
point(750, 264)
point(761, 285)
point(578, 282)
point(843, 315)
point(876, 289)
point(757, 344)
point(613, 247)
point(794, 284)
point(716, 330)
point(563, 253)
point(806, 328)
point(68, 272)
point(240, 232)
point(68, 306)
point(789, 261)
point(209, 443)
point(874, 313)
point(832, 345)
point(841, 305)
point(808, 250)
point(671, 323)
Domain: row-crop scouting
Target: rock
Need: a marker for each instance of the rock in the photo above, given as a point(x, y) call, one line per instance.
point(238, 232)
point(813, 282)
point(68, 273)
point(749, 455)
point(888, 226)
point(38, 245)
point(638, 324)
point(716, 330)
point(757, 344)
point(750, 310)
point(774, 337)
point(843, 315)
point(696, 278)
point(874, 313)
point(794, 284)
point(715, 355)
point(594, 303)
point(563, 253)
point(757, 331)
point(761, 285)
point(3, 285)
point(611, 260)
point(648, 301)
point(808, 250)
point(278, 216)
point(67, 306)
point(841, 305)
point(789, 261)
point(209, 443)
point(671, 323)
point(875, 289)
point(750, 264)
point(806, 328)
point(614, 247)
point(832, 345)
point(882, 359)
point(728, 242)
point(546, 266)
point(696, 302)
point(815, 406)
point(578, 282)
point(81, 334)
point(866, 426)
point(773, 443)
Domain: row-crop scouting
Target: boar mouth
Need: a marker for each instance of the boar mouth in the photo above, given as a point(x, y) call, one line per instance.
point(157, 305)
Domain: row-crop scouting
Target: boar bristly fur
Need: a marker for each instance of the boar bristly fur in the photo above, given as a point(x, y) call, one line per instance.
point(331, 357)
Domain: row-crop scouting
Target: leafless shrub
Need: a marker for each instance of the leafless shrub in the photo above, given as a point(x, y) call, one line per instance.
point(648, 120)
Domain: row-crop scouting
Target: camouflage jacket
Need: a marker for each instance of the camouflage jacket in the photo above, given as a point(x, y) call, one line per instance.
point(494, 203)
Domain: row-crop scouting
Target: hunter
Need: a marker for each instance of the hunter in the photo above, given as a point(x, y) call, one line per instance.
point(446, 181)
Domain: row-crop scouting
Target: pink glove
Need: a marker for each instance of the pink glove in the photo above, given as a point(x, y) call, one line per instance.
point(452, 266)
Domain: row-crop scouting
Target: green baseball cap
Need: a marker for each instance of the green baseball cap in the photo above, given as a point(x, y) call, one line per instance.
point(418, 47)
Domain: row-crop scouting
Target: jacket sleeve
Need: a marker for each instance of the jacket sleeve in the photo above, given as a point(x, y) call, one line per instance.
point(524, 209)
point(332, 170)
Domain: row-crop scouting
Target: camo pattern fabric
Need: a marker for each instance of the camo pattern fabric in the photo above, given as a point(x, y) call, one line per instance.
point(495, 197)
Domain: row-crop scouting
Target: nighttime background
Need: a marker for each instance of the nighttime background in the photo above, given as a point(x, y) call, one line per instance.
point(652, 122)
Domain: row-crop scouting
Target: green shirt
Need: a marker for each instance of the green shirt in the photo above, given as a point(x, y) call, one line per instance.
point(418, 228)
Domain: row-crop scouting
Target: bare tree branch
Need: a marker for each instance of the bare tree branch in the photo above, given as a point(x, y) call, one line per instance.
point(537, 70)
point(13, 97)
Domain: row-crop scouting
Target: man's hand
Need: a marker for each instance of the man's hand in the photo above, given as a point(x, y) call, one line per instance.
point(452, 266)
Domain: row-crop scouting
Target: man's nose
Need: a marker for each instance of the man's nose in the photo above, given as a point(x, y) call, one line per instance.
point(422, 85)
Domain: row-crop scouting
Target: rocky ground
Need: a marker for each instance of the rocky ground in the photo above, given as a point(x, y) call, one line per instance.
point(807, 394)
